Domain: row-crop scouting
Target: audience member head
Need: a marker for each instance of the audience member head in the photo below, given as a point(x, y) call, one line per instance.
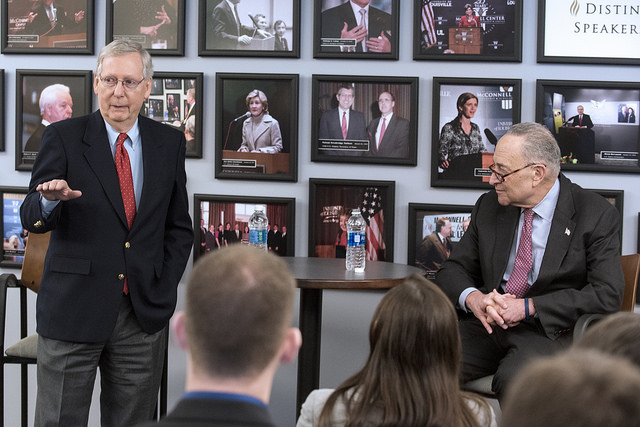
point(411, 376)
point(236, 321)
point(585, 388)
point(617, 334)
point(56, 103)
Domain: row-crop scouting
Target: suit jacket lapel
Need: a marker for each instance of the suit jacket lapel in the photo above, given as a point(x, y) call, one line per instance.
point(98, 150)
point(506, 229)
point(152, 160)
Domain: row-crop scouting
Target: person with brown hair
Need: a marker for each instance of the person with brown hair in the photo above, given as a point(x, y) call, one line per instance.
point(617, 334)
point(411, 377)
point(460, 136)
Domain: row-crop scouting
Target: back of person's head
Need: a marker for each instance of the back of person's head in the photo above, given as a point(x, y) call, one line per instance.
point(411, 376)
point(122, 47)
point(538, 146)
point(238, 308)
point(585, 388)
point(617, 334)
point(190, 126)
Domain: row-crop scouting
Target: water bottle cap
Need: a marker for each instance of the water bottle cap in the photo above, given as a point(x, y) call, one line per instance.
point(355, 211)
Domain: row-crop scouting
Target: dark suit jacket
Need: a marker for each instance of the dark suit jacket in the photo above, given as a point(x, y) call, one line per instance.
point(225, 30)
point(432, 252)
point(580, 271)
point(215, 413)
point(395, 141)
point(333, 21)
point(586, 121)
point(91, 245)
point(281, 44)
point(65, 23)
point(33, 143)
point(331, 128)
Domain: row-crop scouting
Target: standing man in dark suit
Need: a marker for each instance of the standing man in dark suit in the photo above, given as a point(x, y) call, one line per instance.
point(343, 123)
point(436, 247)
point(111, 188)
point(581, 120)
point(539, 252)
point(49, 19)
point(360, 26)
point(388, 134)
point(232, 357)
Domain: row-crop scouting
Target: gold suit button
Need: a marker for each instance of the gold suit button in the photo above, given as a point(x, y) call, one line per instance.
point(38, 224)
point(121, 276)
point(127, 245)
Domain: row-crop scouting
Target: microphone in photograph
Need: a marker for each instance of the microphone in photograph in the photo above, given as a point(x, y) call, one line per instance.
point(244, 116)
point(490, 136)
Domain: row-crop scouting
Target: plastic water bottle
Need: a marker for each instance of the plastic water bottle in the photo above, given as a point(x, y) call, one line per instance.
point(258, 230)
point(166, 115)
point(150, 110)
point(356, 252)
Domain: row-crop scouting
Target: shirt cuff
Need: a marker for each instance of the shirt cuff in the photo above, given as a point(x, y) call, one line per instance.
point(463, 298)
point(47, 206)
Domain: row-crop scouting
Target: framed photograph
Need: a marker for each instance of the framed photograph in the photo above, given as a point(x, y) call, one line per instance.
point(224, 220)
point(331, 202)
point(344, 30)
point(462, 30)
point(616, 198)
point(2, 102)
point(257, 126)
point(434, 232)
point(470, 116)
point(14, 237)
point(44, 97)
point(594, 123)
point(265, 28)
point(176, 101)
point(158, 25)
point(66, 26)
point(588, 32)
point(364, 119)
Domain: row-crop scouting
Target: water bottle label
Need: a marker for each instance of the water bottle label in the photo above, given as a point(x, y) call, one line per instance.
point(355, 239)
point(258, 236)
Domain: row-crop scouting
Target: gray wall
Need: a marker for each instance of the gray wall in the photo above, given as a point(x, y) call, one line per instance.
point(347, 314)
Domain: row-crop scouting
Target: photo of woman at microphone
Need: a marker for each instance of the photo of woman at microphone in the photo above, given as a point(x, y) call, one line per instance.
point(260, 131)
point(460, 137)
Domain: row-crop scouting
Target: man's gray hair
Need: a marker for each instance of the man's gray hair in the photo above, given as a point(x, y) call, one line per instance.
point(539, 146)
point(121, 47)
point(49, 95)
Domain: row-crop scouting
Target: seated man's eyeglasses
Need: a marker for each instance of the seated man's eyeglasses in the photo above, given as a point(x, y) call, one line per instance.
point(112, 82)
point(501, 176)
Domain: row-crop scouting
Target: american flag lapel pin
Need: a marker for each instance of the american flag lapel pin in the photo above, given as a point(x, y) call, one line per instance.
point(567, 232)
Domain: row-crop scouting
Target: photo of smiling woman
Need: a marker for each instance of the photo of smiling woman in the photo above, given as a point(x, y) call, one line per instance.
point(260, 132)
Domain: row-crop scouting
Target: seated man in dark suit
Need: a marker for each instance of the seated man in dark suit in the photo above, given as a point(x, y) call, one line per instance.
point(436, 247)
point(388, 134)
point(539, 252)
point(232, 357)
point(362, 27)
point(581, 120)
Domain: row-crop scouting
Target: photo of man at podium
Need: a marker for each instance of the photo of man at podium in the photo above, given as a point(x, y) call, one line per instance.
point(576, 139)
point(228, 29)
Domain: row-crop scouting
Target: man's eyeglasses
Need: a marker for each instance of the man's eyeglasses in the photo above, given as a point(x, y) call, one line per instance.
point(112, 82)
point(501, 176)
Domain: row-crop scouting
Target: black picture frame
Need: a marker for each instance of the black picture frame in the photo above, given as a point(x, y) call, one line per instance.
point(2, 108)
point(27, 30)
point(29, 85)
point(210, 209)
point(428, 252)
point(219, 37)
point(13, 234)
point(281, 91)
point(613, 143)
point(587, 33)
point(499, 105)
point(383, 28)
point(438, 35)
point(331, 198)
point(167, 85)
point(138, 21)
point(327, 141)
point(615, 198)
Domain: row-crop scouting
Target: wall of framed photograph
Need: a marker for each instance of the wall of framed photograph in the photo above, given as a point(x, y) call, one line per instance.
point(223, 220)
point(488, 107)
point(67, 28)
point(262, 29)
point(594, 123)
point(330, 205)
point(257, 139)
point(176, 100)
point(345, 31)
point(348, 119)
point(597, 32)
point(44, 97)
point(14, 237)
point(156, 25)
point(460, 30)
point(2, 102)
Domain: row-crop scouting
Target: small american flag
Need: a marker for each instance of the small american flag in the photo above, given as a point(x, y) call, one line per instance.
point(372, 209)
point(427, 24)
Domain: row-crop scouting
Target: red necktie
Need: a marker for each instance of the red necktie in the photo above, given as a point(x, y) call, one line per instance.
point(123, 166)
point(517, 283)
point(580, 120)
point(382, 129)
point(344, 125)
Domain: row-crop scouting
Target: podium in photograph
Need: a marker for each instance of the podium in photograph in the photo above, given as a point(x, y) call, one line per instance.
point(260, 44)
point(578, 142)
point(465, 40)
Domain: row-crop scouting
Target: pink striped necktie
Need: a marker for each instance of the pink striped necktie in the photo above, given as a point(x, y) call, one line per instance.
point(344, 125)
point(517, 284)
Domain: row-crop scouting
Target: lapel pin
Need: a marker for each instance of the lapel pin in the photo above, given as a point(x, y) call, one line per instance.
point(567, 232)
